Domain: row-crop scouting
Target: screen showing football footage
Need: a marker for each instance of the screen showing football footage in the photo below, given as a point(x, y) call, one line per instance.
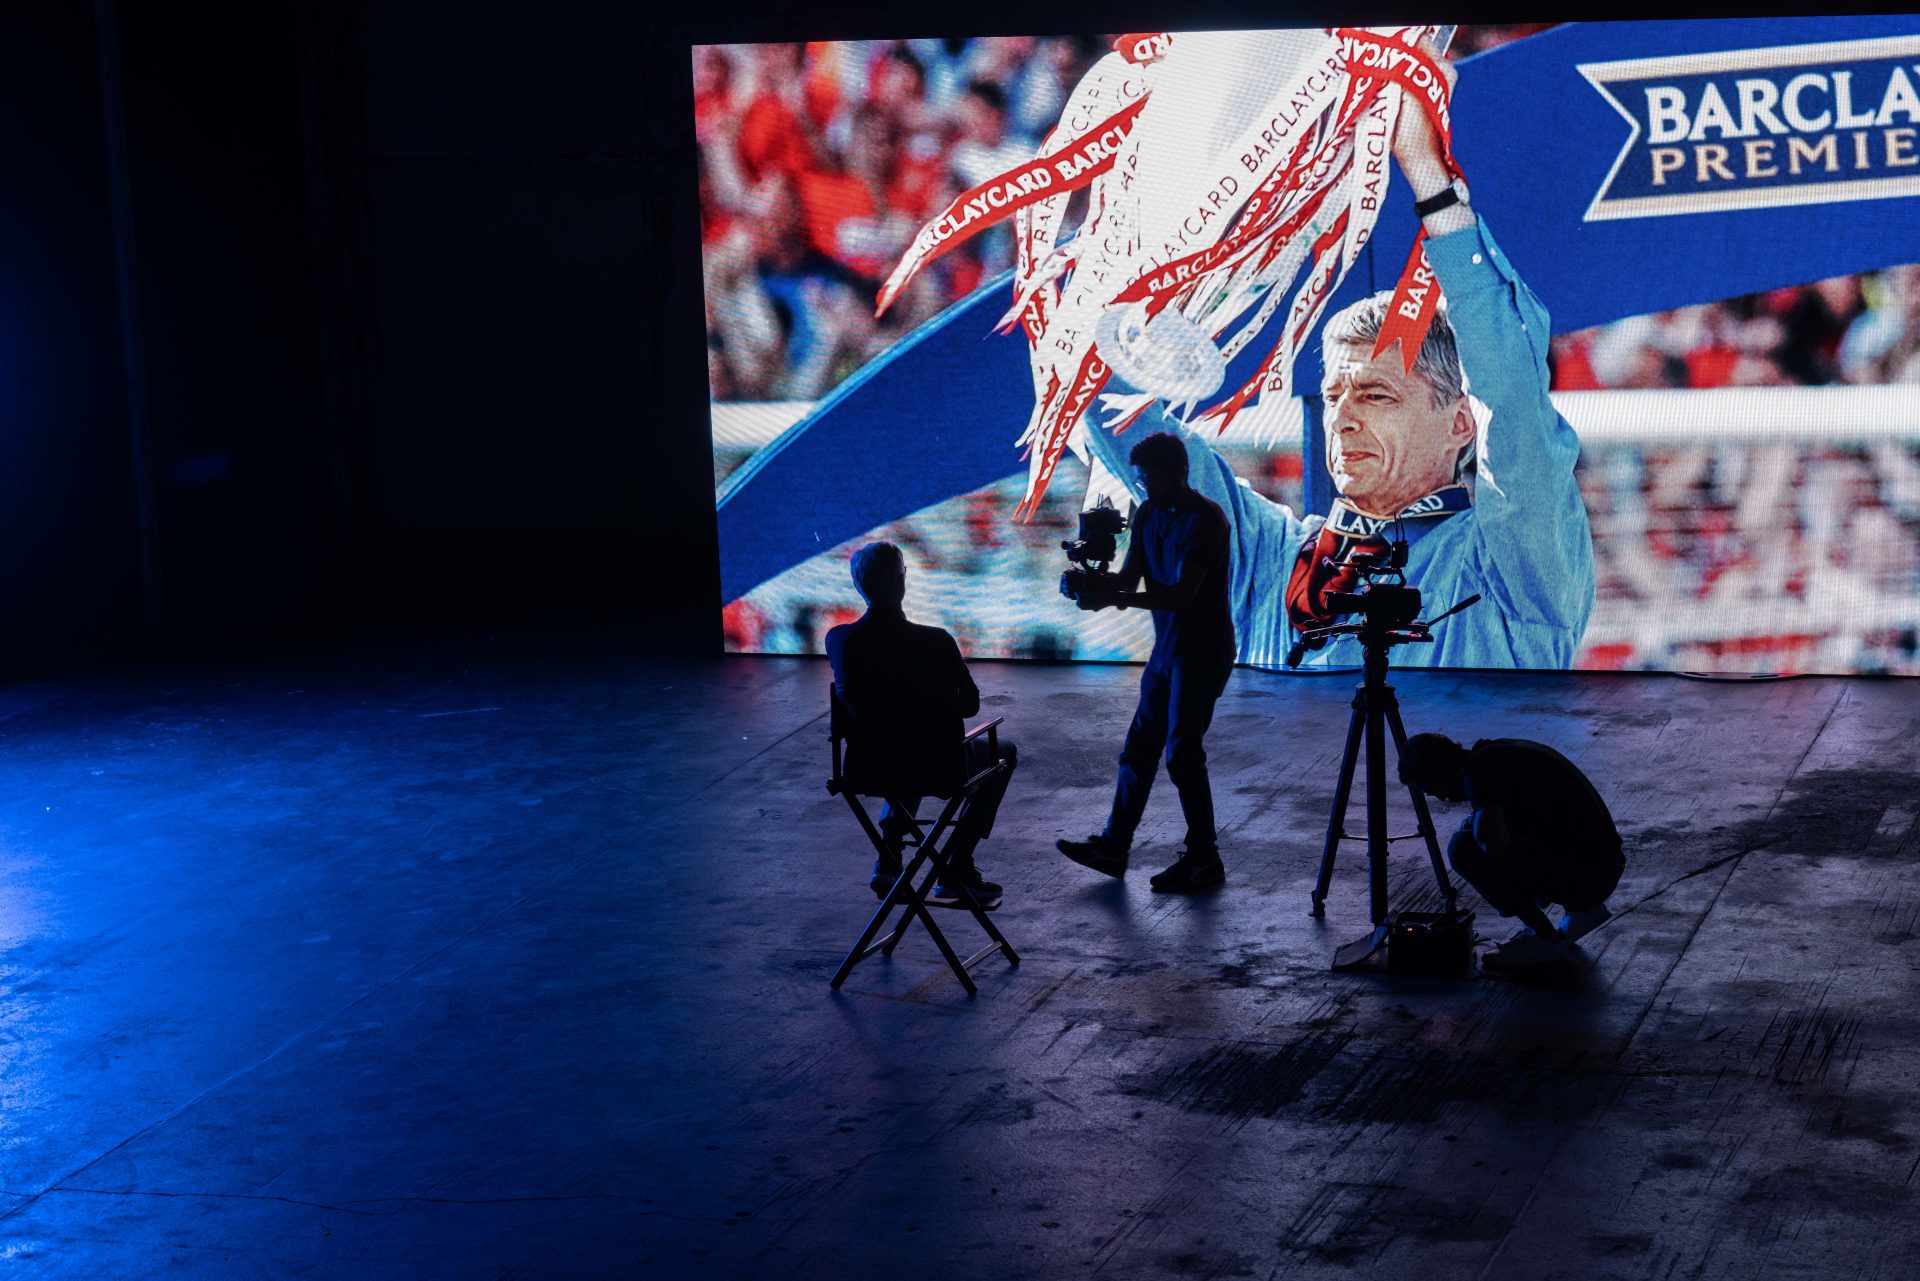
point(1641, 372)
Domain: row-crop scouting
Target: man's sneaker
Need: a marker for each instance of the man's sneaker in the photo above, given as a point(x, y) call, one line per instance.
point(1191, 873)
point(957, 890)
point(1527, 951)
point(884, 875)
point(1101, 853)
point(1577, 925)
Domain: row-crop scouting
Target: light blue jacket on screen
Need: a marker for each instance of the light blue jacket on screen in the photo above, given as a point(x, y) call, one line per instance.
point(1524, 545)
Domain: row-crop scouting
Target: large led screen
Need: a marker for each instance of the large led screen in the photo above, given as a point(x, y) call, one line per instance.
point(1645, 377)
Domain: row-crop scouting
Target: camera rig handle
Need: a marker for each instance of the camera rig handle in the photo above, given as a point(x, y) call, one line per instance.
point(1471, 600)
point(1416, 632)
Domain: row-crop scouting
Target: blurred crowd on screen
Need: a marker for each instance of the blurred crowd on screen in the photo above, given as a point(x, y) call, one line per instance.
point(1756, 557)
point(1861, 329)
point(820, 161)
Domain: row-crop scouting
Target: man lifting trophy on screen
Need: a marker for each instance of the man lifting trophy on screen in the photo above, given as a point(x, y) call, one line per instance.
point(1222, 169)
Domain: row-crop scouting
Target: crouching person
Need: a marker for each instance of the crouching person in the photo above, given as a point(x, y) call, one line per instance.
point(1539, 835)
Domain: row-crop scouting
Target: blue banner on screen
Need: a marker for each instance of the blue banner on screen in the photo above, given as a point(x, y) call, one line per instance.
point(1679, 348)
point(1762, 128)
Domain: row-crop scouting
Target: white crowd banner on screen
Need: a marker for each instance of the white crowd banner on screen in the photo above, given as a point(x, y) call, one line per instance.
point(1836, 415)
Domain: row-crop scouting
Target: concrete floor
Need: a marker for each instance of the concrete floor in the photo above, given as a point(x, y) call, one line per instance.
point(514, 964)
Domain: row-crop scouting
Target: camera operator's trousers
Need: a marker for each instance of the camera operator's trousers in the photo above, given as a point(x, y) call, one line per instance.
point(1176, 706)
point(1576, 871)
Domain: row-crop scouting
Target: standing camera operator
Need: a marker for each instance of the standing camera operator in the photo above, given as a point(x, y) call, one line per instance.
point(1180, 549)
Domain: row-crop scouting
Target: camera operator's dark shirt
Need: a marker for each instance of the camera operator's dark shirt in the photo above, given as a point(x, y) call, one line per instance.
point(1176, 546)
point(909, 691)
point(1546, 800)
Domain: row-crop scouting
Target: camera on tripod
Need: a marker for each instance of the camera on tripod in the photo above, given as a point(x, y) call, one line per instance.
point(1386, 604)
point(1092, 554)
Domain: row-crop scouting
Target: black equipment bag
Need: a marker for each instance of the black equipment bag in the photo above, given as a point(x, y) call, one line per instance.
point(1431, 943)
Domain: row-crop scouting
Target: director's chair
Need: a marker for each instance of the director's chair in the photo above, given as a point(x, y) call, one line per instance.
point(956, 786)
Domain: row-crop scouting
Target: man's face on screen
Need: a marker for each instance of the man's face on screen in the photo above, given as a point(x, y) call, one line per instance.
point(1387, 442)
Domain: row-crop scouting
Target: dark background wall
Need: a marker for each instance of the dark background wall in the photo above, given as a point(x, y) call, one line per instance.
point(335, 319)
point(68, 575)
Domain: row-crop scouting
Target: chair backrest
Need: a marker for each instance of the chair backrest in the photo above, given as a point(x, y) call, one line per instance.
point(897, 759)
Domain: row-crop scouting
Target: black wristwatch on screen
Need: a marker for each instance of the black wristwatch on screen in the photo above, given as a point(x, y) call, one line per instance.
point(1454, 193)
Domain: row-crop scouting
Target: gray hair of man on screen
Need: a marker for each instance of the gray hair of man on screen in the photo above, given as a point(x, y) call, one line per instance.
point(880, 573)
point(1437, 363)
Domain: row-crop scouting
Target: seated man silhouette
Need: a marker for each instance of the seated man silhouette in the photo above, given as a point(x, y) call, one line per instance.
point(1539, 834)
point(909, 692)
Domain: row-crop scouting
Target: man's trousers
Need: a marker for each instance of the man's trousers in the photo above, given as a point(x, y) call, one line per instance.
point(974, 822)
point(1576, 872)
point(1176, 706)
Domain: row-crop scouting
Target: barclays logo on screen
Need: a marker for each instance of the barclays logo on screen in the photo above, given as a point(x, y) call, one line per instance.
point(1761, 128)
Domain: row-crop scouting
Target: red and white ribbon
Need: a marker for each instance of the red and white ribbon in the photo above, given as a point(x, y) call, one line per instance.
point(1416, 295)
point(1291, 195)
point(1113, 82)
point(974, 210)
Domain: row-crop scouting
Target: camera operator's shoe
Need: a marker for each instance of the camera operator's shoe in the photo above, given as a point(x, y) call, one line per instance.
point(1577, 925)
point(1099, 852)
point(958, 887)
point(1527, 951)
point(1190, 874)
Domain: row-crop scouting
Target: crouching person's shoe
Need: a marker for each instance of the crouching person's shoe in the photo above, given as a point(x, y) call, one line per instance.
point(1527, 951)
point(1101, 853)
point(1577, 925)
point(1192, 873)
point(965, 888)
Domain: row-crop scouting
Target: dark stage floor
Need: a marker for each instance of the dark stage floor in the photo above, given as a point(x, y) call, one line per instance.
point(494, 964)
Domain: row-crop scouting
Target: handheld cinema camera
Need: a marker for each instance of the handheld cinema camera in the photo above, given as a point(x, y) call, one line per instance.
point(1092, 554)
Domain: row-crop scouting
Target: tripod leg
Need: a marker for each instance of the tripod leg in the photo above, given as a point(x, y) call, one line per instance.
point(1377, 807)
point(1420, 808)
point(1341, 791)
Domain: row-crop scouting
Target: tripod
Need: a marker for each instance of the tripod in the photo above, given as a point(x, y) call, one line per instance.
point(1375, 710)
point(1386, 619)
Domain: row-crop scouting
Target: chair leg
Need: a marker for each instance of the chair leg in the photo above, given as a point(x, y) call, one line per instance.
point(936, 855)
point(919, 906)
point(999, 940)
point(911, 899)
point(929, 850)
point(902, 892)
point(906, 918)
point(979, 913)
point(961, 967)
point(912, 902)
